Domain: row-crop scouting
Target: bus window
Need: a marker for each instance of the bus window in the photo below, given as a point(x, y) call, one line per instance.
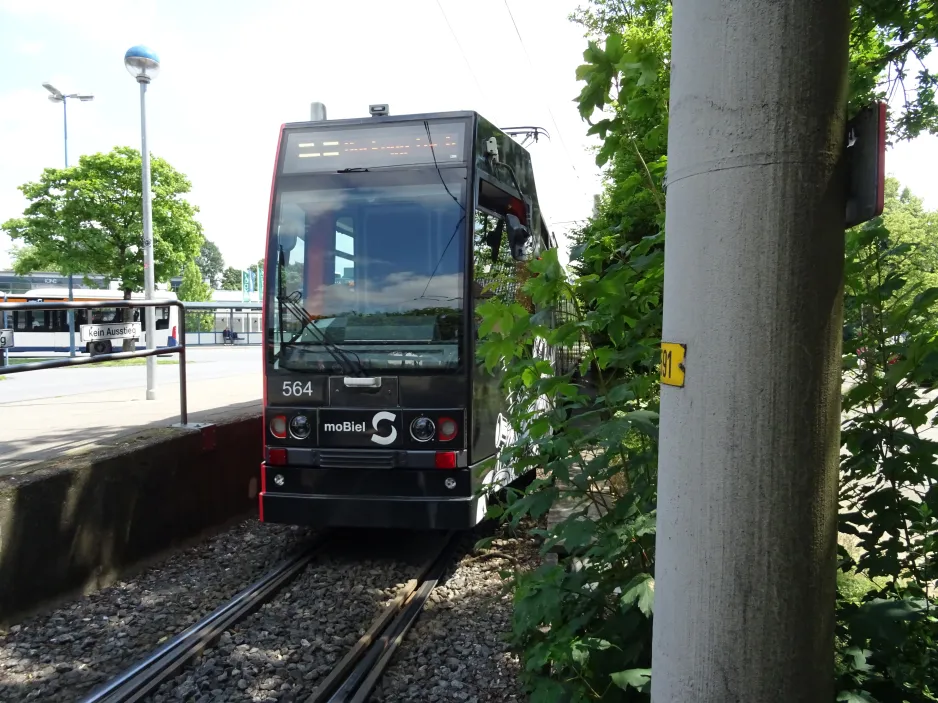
point(100, 316)
point(162, 318)
point(60, 321)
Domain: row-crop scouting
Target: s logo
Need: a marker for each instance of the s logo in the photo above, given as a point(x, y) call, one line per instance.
point(380, 439)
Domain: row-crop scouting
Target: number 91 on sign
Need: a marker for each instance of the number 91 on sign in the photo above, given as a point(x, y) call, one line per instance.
point(672, 364)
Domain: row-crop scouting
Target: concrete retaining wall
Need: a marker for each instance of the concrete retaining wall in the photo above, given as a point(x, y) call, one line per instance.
point(75, 524)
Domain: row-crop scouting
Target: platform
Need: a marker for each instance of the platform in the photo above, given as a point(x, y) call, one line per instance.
point(59, 412)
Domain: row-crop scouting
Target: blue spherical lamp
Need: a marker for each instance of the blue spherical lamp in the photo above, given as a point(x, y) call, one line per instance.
point(142, 63)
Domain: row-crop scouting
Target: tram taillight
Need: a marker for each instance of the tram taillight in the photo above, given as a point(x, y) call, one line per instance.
point(445, 460)
point(277, 456)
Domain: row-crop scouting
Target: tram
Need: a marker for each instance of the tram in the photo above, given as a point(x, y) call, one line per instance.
point(385, 232)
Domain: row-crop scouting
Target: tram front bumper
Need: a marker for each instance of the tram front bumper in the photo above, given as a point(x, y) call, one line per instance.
point(369, 498)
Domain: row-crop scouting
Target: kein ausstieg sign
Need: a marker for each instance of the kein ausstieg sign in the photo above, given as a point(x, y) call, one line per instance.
point(114, 330)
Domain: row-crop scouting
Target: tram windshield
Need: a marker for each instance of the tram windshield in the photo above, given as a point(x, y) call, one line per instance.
point(368, 269)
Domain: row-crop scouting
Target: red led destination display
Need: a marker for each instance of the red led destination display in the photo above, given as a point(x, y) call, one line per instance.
point(374, 146)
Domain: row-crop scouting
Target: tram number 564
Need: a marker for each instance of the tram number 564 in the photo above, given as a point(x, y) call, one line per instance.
point(297, 388)
point(672, 364)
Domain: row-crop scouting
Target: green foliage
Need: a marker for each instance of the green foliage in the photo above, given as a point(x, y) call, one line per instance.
point(889, 40)
point(87, 219)
point(585, 632)
point(231, 279)
point(211, 263)
point(887, 631)
point(193, 288)
point(583, 625)
point(916, 230)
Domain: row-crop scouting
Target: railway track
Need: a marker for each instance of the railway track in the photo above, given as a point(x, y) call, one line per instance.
point(352, 679)
point(355, 676)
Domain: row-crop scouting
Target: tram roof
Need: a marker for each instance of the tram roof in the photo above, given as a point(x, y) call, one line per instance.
point(384, 119)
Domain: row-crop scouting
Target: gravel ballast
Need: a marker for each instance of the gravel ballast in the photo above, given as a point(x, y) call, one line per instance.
point(61, 655)
point(456, 650)
point(282, 651)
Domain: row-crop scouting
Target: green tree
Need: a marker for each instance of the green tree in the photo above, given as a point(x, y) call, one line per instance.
point(231, 279)
point(909, 223)
point(211, 263)
point(193, 288)
point(88, 219)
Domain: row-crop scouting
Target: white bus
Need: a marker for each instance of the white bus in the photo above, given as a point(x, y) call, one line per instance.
point(47, 330)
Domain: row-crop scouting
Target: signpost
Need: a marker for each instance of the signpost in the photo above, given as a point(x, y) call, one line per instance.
point(116, 330)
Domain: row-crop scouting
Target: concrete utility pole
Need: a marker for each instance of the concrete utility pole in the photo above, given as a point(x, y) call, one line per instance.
point(747, 517)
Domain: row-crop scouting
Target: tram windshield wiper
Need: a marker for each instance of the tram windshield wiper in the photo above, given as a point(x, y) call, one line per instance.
point(354, 169)
point(348, 365)
point(291, 303)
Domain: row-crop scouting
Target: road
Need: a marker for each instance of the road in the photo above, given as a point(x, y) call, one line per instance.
point(203, 364)
point(47, 414)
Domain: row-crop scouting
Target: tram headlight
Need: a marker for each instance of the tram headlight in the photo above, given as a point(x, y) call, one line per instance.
point(300, 427)
point(422, 429)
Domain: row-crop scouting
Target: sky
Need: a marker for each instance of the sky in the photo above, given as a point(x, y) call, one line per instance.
point(233, 71)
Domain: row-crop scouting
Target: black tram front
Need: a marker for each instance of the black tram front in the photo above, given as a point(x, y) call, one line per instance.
point(376, 412)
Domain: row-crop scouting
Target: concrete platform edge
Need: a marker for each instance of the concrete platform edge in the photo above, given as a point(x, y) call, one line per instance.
point(75, 523)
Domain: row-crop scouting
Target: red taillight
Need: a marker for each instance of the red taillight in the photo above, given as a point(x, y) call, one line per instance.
point(447, 429)
point(446, 460)
point(278, 426)
point(277, 456)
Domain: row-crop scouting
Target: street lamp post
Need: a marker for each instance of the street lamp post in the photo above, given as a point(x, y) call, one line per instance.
point(58, 96)
point(144, 65)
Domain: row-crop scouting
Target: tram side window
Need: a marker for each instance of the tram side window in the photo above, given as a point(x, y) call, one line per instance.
point(492, 278)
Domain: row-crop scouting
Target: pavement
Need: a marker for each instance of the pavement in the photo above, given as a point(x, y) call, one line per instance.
point(51, 413)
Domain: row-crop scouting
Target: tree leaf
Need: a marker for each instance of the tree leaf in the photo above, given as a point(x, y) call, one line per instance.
point(639, 679)
point(640, 591)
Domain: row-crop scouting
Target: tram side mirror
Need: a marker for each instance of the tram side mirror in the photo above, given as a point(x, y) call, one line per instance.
point(288, 241)
point(518, 236)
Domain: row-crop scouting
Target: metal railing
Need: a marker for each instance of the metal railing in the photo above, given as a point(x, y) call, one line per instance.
point(179, 349)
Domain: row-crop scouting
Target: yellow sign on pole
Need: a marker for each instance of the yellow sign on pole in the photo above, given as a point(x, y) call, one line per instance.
point(672, 363)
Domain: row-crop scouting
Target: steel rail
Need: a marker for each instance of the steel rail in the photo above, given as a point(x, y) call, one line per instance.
point(144, 677)
point(354, 677)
